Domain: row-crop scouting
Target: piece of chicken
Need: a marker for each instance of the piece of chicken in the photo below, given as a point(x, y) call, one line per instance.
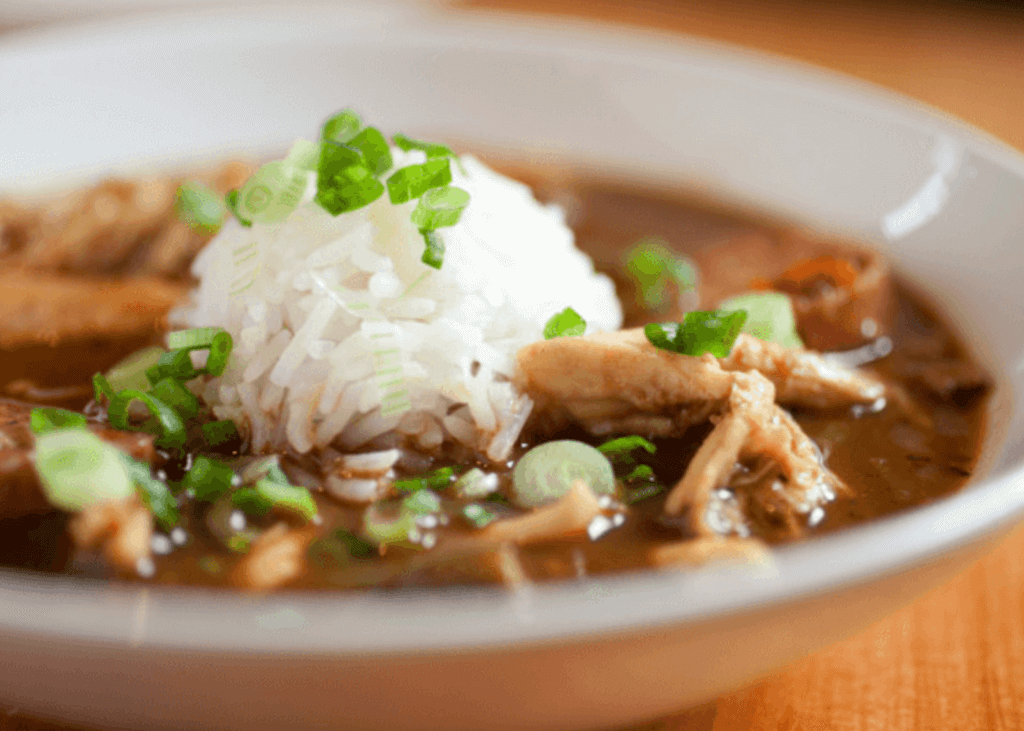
point(620, 382)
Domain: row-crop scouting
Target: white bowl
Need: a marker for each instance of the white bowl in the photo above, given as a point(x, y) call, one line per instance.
point(945, 201)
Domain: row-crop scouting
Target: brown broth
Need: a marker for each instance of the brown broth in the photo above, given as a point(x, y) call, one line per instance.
point(890, 463)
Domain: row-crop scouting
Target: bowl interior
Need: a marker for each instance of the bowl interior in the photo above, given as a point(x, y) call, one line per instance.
point(178, 90)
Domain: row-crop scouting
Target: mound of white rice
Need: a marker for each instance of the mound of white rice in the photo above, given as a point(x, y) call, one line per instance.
point(342, 334)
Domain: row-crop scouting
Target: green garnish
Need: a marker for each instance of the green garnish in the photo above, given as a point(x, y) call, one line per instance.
point(200, 207)
point(439, 208)
point(399, 529)
point(433, 252)
point(769, 317)
point(433, 149)
point(617, 448)
point(375, 150)
point(415, 180)
point(342, 127)
point(422, 502)
point(154, 493)
point(344, 182)
point(172, 393)
point(131, 372)
point(77, 469)
point(304, 155)
point(566, 323)
point(643, 493)
point(436, 480)
point(640, 472)
point(101, 388)
point(477, 515)
point(176, 364)
point(267, 494)
point(334, 551)
point(271, 193)
point(196, 338)
point(47, 419)
point(220, 349)
point(548, 471)
point(168, 426)
point(654, 266)
point(208, 479)
point(217, 433)
point(231, 203)
point(699, 333)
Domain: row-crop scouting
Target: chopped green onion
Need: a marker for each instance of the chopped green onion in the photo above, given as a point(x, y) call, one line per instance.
point(375, 150)
point(769, 317)
point(208, 479)
point(653, 265)
point(220, 349)
point(422, 502)
point(344, 182)
point(699, 333)
point(640, 472)
point(439, 208)
point(477, 515)
point(268, 467)
point(176, 364)
point(643, 493)
point(304, 155)
point(154, 493)
point(548, 471)
point(342, 127)
point(433, 149)
point(566, 323)
point(231, 203)
point(334, 551)
point(217, 433)
point(131, 372)
point(101, 388)
point(267, 494)
point(415, 180)
point(433, 252)
point(437, 480)
point(272, 193)
point(196, 338)
point(200, 207)
point(475, 483)
point(47, 419)
point(622, 446)
point(400, 529)
point(172, 393)
point(77, 469)
point(171, 432)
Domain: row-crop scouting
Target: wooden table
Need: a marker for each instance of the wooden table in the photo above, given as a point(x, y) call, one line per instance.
point(954, 659)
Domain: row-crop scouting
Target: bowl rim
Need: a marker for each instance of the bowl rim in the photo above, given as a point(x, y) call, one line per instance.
point(477, 618)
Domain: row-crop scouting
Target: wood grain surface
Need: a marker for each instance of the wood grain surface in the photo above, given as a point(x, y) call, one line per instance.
point(955, 658)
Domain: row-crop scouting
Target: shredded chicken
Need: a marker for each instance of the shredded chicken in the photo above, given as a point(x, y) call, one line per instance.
point(120, 529)
point(617, 382)
point(276, 558)
point(569, 515)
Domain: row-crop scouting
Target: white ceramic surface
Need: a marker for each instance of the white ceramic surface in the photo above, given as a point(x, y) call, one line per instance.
point(945, 201)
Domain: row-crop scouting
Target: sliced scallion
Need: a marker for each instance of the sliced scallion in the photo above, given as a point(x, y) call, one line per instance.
point(433, 149)
point(422, 502)
point(217, 433)
point(439, 208)
point(375, 150)
point(640, 472)
point(383, 529)
point(478, 516)
point(172, 393)
point(769, 317)
point(341, 127)
point(101, 388)
point(200, 207)
point(43, 420)
point(231, 203)
point(615, 448)
point(170, 429)
point(304, 155)
point(176, 364)
point(433, 250)
point(208, 479)
point(77, 469)
point(220, 350)
point(272, 193)
point(195, 338)
point(699, 333)
point(131, 372)
point(436, 480)
point(267, 494)
point(653, 265)
point(548, 471)
point(566, 323)
point(415, 180)
point(344, 182)
point(154, 493)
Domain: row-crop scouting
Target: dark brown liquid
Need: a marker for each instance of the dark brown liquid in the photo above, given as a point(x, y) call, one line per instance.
point(890, 463)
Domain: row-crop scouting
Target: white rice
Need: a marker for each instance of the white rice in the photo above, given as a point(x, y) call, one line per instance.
point(342, 334)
